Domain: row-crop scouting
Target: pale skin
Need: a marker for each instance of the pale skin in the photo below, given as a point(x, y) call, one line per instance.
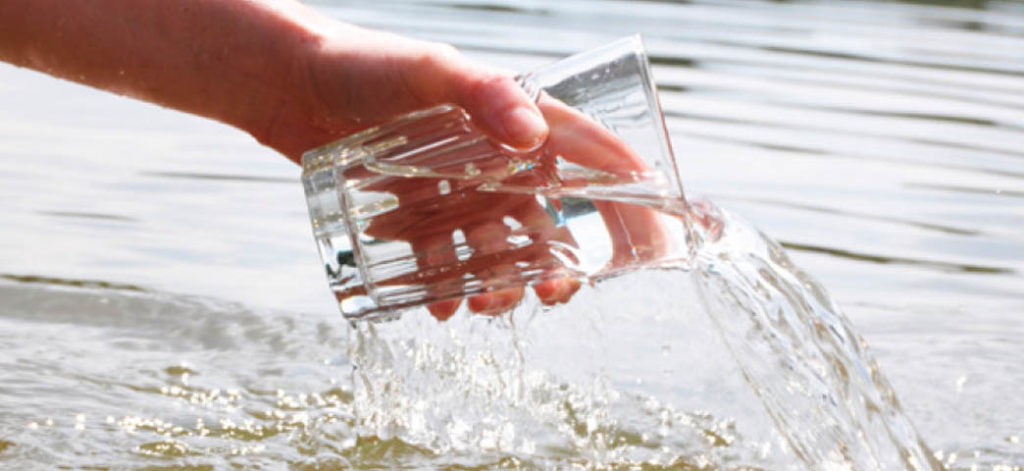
point(295, 79)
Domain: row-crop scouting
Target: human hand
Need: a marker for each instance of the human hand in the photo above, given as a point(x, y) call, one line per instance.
point(352, 89)
point(355, 78)
point(509, 238)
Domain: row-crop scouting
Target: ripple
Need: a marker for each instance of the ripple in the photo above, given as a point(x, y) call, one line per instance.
point(885, 259)
point(82, 215)
point(220, 177)
point(53, 281)
point(866, 216)
point(997, 192)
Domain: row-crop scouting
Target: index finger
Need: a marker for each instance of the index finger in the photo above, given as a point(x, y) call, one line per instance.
point(581, 140)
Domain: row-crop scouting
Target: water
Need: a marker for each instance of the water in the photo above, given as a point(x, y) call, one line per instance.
point(814, 374)
point(879, 142)
point(483, 384)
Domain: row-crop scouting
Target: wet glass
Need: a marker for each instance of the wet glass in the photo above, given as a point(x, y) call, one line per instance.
point(426, 208)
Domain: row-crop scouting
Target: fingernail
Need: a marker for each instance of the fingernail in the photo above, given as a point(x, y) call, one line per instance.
point(549, 291)
point(444, 309)
point(495, 302)
point(524, 127)
point(571, 286)
point(482, 302)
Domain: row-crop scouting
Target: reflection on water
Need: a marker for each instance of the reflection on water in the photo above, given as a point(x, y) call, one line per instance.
point(231, 178)
point(212, 384)
point(864, 257)
point(107, 377)
point(65, 282)
point(881, 140)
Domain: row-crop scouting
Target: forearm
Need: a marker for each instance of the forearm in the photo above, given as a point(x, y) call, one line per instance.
point(289, 76)
point(236, 61)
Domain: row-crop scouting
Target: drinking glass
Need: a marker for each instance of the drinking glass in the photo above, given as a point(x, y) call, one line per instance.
point(426, 208)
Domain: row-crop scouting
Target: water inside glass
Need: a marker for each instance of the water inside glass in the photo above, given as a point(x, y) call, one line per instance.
point(427, 208)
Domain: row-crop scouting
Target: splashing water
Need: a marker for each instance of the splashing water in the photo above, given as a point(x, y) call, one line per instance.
point(741, 362)
point(553, 388)
point(799, 353)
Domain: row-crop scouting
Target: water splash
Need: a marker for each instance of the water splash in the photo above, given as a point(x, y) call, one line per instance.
point(471, 391)
point(799, 353)
point(538, 386)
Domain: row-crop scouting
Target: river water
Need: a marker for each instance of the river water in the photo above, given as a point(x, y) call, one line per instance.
point(163, 306)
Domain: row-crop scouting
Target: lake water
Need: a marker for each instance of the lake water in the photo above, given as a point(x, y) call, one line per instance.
point(163, 305)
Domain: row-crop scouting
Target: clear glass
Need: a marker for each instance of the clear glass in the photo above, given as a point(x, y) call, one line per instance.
point(426, 208)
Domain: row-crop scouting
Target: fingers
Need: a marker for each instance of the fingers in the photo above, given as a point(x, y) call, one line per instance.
point(502, 109)
point(581, 140)
point(542, 230)
point(555, 291)
point(637, 233)
point(489, 238)
point(495, 302)
point(432, 247)
point(498, 259)
point(436, 252)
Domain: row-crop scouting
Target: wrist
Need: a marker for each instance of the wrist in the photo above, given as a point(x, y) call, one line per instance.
point(268, 79)
point(333, 79)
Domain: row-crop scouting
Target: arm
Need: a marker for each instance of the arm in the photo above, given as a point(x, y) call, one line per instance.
point(294, 80)
point(285, 74)
point(280, 71)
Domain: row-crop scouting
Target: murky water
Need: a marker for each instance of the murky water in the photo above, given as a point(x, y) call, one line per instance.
point(163, 305)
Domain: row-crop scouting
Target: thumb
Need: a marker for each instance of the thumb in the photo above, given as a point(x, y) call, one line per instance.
point(494, 101)
point(501, 108)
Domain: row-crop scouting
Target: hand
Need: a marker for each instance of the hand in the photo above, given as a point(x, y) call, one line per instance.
point(356, 83)
point(356, 78)
point(507, 232)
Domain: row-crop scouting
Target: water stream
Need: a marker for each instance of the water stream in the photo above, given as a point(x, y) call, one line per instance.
point(813, 372)
point(489, 384)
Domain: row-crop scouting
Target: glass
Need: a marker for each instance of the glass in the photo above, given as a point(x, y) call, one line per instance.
point(425, 208)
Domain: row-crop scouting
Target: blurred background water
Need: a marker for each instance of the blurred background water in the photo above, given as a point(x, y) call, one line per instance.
point(158, 279)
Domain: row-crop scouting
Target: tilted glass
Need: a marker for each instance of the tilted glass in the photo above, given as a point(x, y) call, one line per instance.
point(426, 207)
